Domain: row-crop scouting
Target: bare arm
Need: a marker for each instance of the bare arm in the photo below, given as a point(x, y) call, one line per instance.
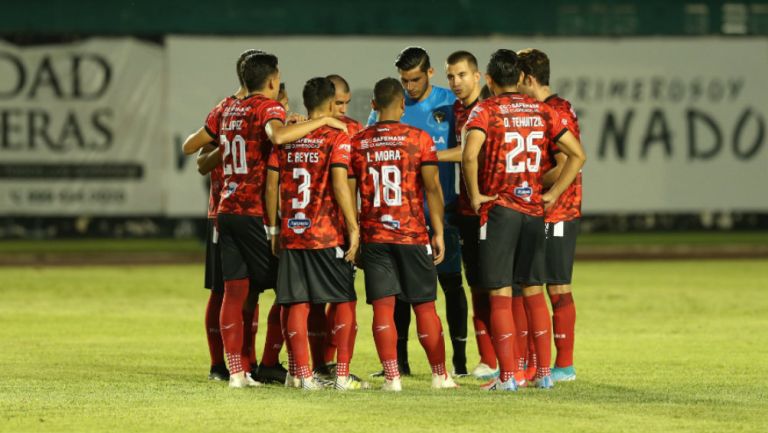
point(195, 141)
point(549, 178)
point(208, 158)
point(572, 148)
point(434, 192)
point(280, 134)
point(271, 200)
point(343, 196)
point(474, 140)
point(449, 155)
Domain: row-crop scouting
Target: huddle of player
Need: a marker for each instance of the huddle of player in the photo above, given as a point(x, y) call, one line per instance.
point(283, 215)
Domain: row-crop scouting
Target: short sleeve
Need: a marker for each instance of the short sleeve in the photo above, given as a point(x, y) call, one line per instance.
point(212, 122)
point(557, 126)
point(479, 118)
point(340, 152)
point(428, 150)
point(273, 163)
point(273, 110)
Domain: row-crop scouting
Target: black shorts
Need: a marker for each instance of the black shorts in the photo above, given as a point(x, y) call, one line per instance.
point(214, 277)
point(405, 271)
point(316, 276)
point(469, 229)
point(246, 251)
point(560, 250)
point(511, 249)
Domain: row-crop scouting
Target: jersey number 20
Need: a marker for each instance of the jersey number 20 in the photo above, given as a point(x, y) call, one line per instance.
point(237, 150)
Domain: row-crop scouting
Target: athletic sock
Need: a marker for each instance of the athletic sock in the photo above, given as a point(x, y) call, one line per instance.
point(563, 322)
point(212, 330)
point(231, 322)
point(521, 326)
point(342, 331)
point(274, 339)
point(385, 335)
point(503, 334)
point(430, 332)
point(481, 319)
point(530, 360)
point(541, 331)
point(284, 327)
point(330, 343)
point(402, 317)
point(250, 327)
point(316, 327)
point(296, 333)
point(456, 316)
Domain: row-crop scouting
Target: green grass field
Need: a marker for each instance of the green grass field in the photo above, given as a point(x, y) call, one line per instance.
point(661, 346)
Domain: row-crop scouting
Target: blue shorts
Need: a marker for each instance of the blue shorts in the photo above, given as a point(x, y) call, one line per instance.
point(451, 263)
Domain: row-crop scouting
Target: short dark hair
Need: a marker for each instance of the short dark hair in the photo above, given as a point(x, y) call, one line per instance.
point(339, 82)
point(536, 64)
point(256, 69)
point(316, 91)
point(504, 67)
point(462, 56)
point(386, 92)
point(244, 55)
point(412, 57)
point(485, 92)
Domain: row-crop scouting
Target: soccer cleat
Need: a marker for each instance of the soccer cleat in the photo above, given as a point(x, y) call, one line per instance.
point(443, 381)
point(563, 374)
point(460, 371)
point(544, 382)
point(310, 384)
point(249, 380)
point(393, 385)
point(273, 374)
point(484, 372)
point(218, 372)
point(324, 373)
point(522, 381)
point(241, 380)
point(291, 381)
point(347, 383)
point(497, 385)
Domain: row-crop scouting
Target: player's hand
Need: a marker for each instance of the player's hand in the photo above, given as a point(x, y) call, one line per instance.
point(549, 199)
point(335, 123)
point(353, 246)
point(275, 240)
point(295, 118)
point(438, 249)
point(478, 201)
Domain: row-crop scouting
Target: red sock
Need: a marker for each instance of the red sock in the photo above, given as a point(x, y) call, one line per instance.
point(481, 318)
point(330, 340)
point(342, 332)
point(385, 335)
point(521, 326)
point(250, 327)
point(296, 333)
point(541, 331)
point(316, 326)
point(353, 338)
point(564, 322)
point(530, 359)
point(212, 330)
point(231, 322)
point(274, 339)
point(284, 326)
point(503, 334)
point(430, 332)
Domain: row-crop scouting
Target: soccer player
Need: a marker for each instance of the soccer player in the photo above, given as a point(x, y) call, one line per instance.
point(246, 131)
point(395, 165)
point(430, 108)
point(515, 133)
point(464, 81)
point(341, 103)
point(316, 203)
point(562, 219)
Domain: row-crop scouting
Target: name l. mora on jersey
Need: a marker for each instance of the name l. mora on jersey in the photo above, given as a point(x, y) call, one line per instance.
point(383, 156)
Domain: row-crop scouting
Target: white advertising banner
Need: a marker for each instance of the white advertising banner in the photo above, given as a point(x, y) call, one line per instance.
point(670, 125)
point(82, 128)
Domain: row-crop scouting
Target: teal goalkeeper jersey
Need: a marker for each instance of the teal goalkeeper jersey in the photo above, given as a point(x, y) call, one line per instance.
point(435, 116)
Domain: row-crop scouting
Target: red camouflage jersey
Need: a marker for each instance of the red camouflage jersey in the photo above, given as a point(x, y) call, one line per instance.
point(461, 114)
point(311, 218)
point(519, 131)
point(568, 206)
point(386, 160)
point(217, 174)
point(245, 149)
point(353, 126)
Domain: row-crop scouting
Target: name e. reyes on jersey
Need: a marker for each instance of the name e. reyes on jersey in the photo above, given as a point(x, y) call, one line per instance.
point(303, 157)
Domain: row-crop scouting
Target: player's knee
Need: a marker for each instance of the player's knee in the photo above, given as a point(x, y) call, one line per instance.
point(532, 290)
point(558, 289)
